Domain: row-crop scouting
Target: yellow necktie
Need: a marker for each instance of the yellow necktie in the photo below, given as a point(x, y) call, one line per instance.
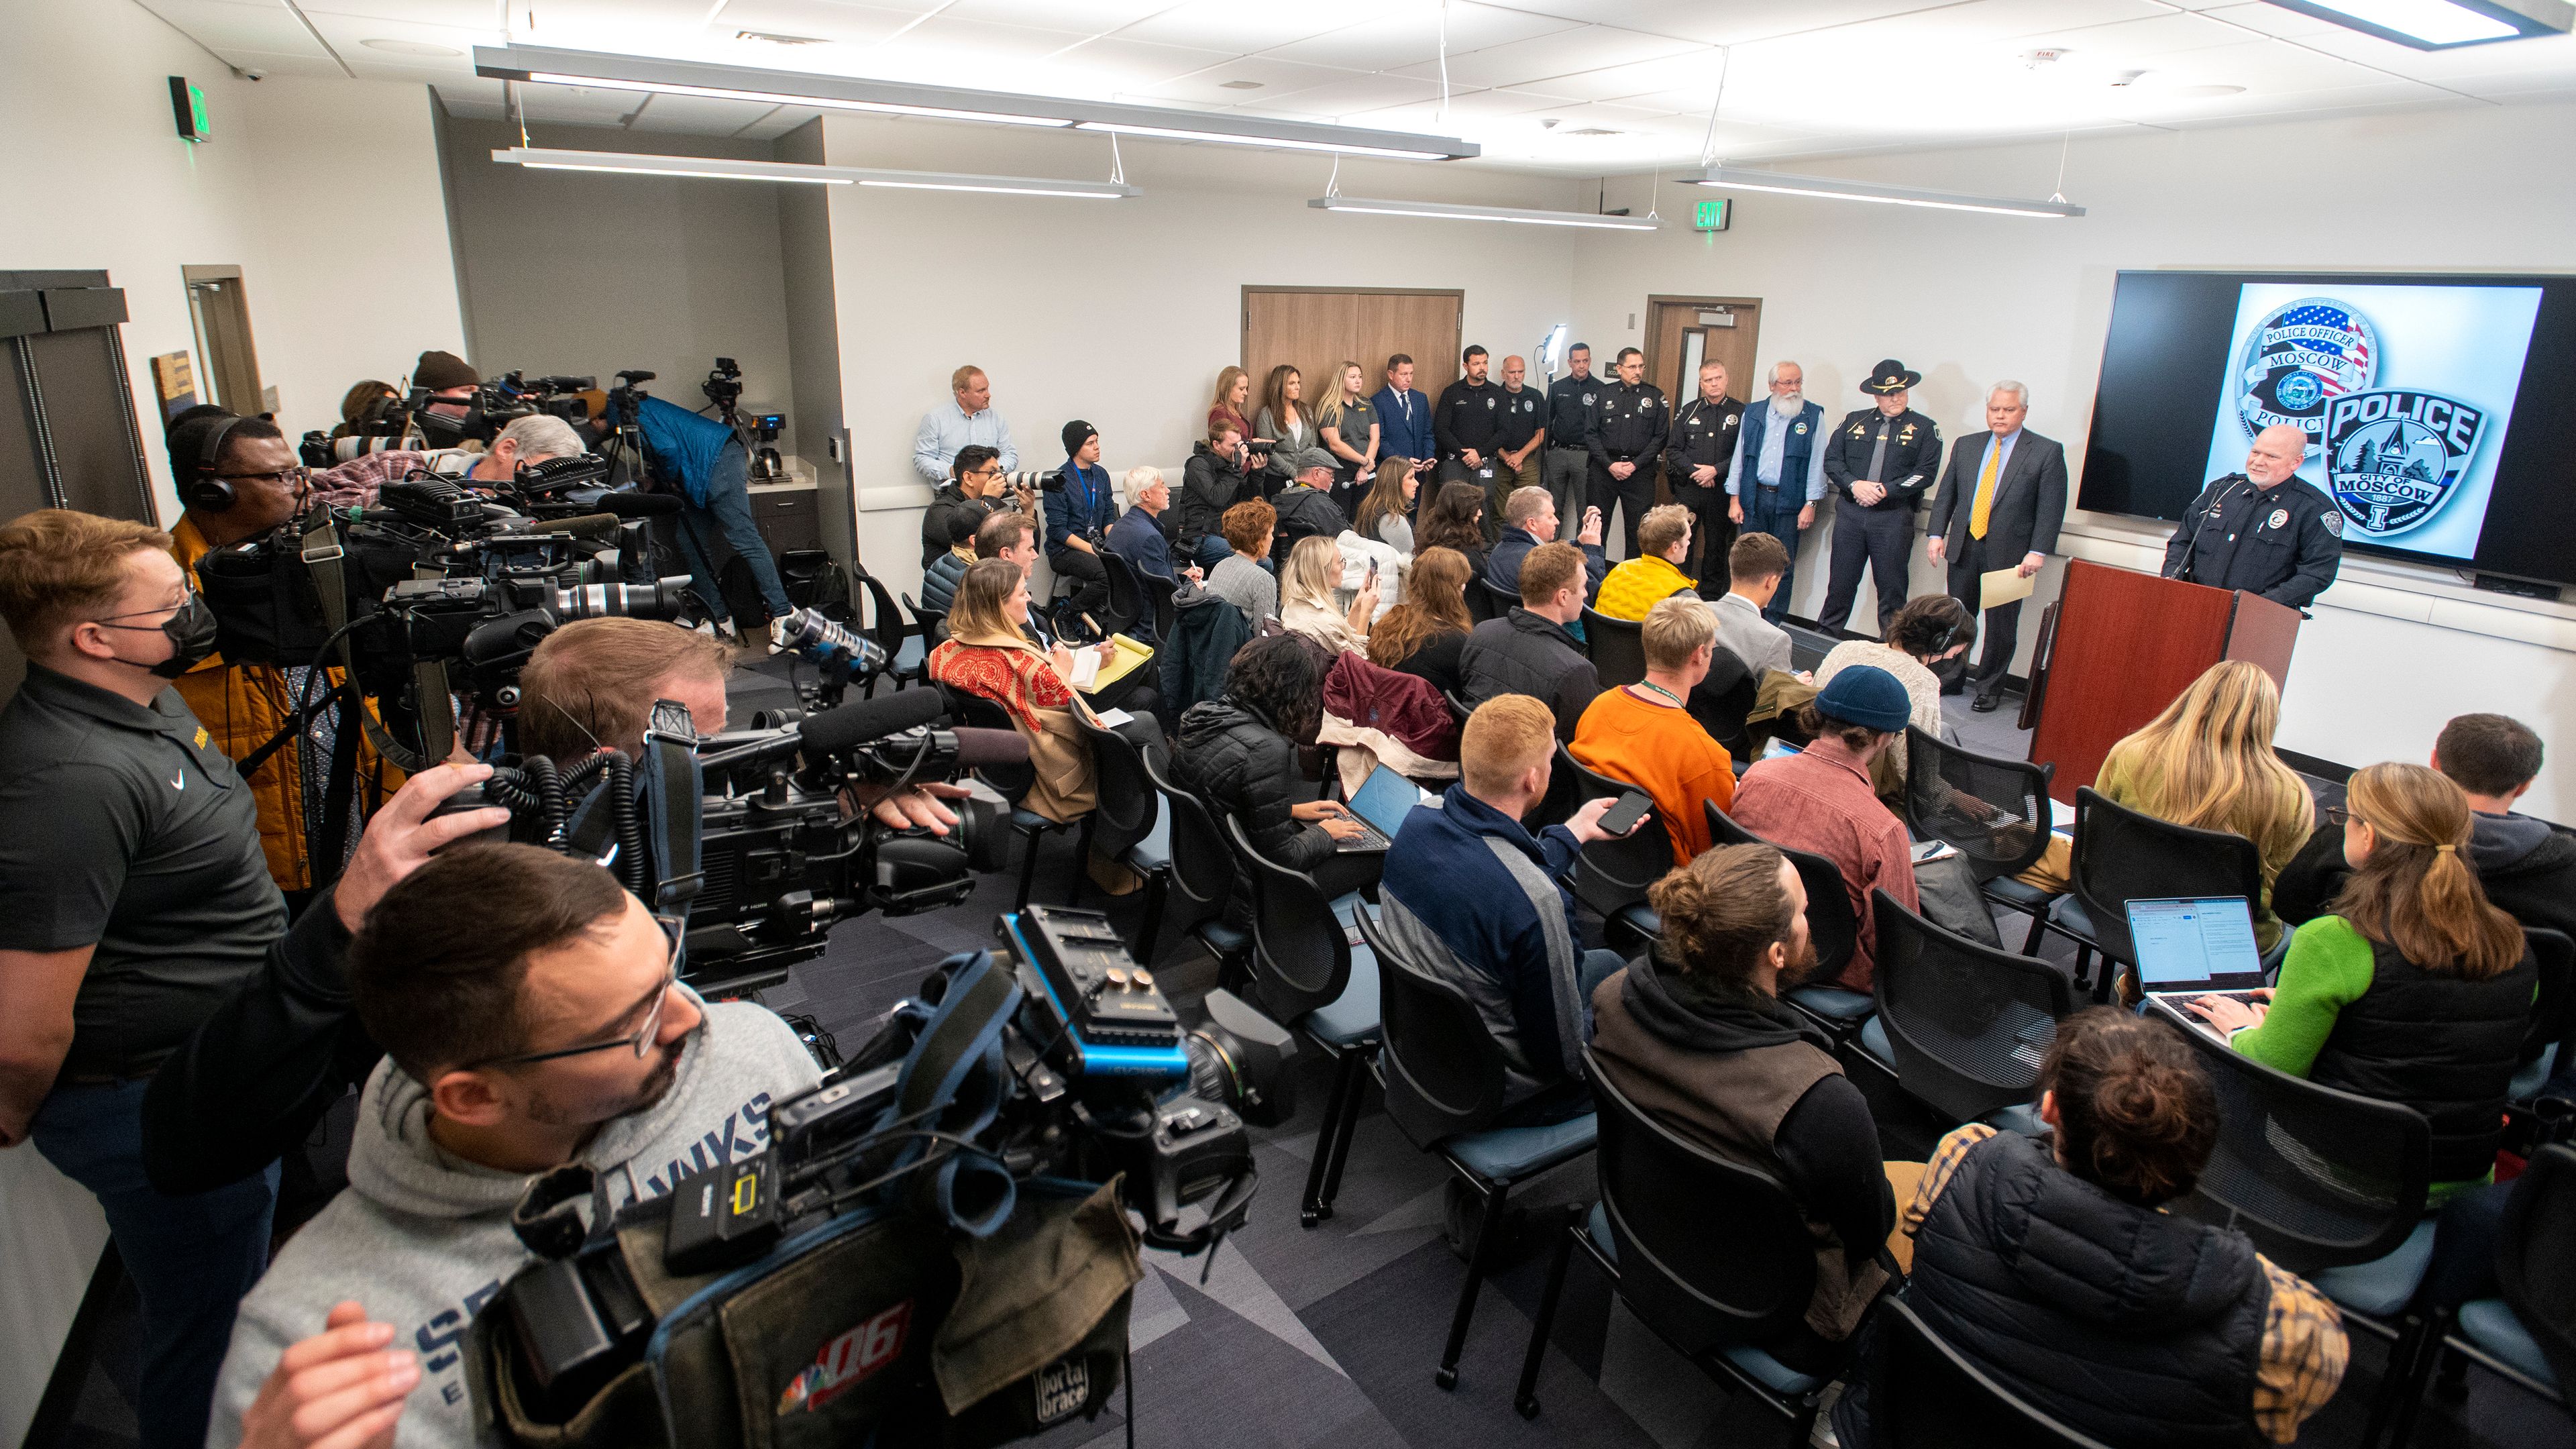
point(1980, 511)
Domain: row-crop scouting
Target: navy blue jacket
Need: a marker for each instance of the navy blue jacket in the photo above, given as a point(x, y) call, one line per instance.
point(1085, 505)
point(1400, 436)
point(683, 445)
point(1138, 538)
point(1503, 565)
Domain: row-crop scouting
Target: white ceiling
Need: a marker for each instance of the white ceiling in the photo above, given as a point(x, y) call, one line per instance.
point(1578, 87)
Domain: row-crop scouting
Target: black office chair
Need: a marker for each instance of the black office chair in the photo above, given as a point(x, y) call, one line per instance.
point(1712, 1255)
point(1013, 781)
point(1459, 708)
point(1961, 1026)
point(1995, 812)
point(2526, 1335)
point(1926, 1395)
point(1202, 875)
point(1127, 602)
point(885, 624)
point(1613, 876)
point(1833, 927)
point(1443, 1075)
point(929, 631)
point(1722, 700)
point(1158, 603)
point(2122, 855)
point(1618, 647)
point(1307, 974)
point(1127, 822)
point(1500, 601)
point(2553, 1011)
point(1481, 600)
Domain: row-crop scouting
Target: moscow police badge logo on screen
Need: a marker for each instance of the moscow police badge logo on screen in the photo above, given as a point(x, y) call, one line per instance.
point(2300, 357)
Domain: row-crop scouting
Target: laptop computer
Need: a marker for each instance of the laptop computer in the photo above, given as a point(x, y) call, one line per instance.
point(2195, 946)
point(1381, 803)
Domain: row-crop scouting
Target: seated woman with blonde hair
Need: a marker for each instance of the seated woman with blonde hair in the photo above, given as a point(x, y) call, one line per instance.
point(988, 655)
point(1306, 603)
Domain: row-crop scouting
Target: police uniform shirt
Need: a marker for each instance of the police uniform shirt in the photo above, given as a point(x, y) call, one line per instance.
point(122, 827)
point(1703, 433)
point(1913, 457)
point(1523, 414)
point(1570, 403)
point(1469, 416)
point(2283, 542)
point(1628, 423)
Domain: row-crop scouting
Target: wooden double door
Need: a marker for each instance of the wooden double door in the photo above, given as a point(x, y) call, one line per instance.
point(1317, 329)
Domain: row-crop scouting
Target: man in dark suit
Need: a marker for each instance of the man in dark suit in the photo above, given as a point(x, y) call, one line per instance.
point(1999, 505)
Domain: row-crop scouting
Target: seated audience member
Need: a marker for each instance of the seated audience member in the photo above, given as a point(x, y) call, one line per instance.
point(1655, 574)
point(1306, 603)
point(2416, 989)
point(1013, 537)
point(1532, 649)
point(1424, 635)
point(1239, 754)
point(1529, 521)
point(531, 1017)
point(1754, 567)
point(1386, 512)
point(974, 489)
point(1305, 507)
point(2207, 761)
point(1820, 800)
point(1454, 519)
point(1694, 1033)
point(989, 653)
point(2052, 1266)
point(2527, 868)
point(1079, 511)
point(1472, 896)
point(1213, 481)
point(1644, 735)
point(1924, 633)
point(939, 577)
point(1137, 537)
point(1241, 577)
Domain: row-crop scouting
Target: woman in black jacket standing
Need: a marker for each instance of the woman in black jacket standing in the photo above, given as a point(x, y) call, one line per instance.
point(1239, 754)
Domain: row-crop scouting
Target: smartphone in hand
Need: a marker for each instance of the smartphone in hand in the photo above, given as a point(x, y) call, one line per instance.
point(1623, 817)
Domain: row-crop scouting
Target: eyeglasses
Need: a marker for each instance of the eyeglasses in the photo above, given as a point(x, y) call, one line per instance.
point(640, 1040)
point(2338, 815)
point(274, 475)
point(185, 596)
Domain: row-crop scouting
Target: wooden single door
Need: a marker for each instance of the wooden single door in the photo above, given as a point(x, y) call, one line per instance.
point(1683, 332)
point(1317, 329)
point(222, 317)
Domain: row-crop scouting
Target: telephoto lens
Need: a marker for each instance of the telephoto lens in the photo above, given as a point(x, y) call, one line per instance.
point(825, 644)
point(662, 599)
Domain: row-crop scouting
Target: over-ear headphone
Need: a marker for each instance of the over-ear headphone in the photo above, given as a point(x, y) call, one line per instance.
point(1951, 633)
point(202, 489)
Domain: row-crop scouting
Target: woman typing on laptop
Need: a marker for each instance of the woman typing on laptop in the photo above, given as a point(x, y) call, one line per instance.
point(2414, 989)
point(1239, 754)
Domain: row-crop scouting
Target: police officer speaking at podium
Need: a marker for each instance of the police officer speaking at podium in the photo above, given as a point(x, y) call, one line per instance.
point(2265, 530)
point(1879, 460)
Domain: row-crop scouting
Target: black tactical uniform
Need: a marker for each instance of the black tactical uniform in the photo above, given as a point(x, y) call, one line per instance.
point(1565, 462)
point(1704, 434)
point(1628, 426)
point(2283, 542)
point(1470, 415)
point(1902, 452)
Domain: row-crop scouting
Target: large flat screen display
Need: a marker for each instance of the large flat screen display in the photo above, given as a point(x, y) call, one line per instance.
point(2430, 405)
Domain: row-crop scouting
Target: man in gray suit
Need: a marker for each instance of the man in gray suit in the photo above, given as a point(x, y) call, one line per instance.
point(1998, 507)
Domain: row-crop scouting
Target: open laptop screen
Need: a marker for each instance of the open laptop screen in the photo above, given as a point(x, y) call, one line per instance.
point(2195, 941)
point(1384, 799)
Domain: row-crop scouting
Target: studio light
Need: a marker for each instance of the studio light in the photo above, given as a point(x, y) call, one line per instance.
point(2443, 24)
point(714, 168)
point(1738, 178)
point(1379, 207)
point(949, 103)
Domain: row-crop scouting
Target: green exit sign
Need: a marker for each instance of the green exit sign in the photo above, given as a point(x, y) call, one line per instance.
point(1712, 215)
point(188, 104)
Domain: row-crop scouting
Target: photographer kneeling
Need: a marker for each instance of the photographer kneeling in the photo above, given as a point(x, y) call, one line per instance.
point(532, 1016)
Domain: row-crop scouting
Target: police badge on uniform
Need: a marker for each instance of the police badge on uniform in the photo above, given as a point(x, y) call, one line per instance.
point(2395, 456)
point(2302, 356)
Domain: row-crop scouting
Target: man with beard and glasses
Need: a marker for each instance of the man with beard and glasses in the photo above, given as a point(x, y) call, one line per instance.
point(1777, 474)
point(532, 1016)
point(1695, 1034)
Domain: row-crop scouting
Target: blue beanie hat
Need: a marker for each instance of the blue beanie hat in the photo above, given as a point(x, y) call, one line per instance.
point(1867, 695)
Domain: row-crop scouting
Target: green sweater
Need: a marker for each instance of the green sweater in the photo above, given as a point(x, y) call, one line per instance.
point(2328, 968)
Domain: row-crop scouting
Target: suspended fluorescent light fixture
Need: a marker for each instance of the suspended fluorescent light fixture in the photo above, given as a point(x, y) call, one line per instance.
point(2443, 24)
point(1456, 212)
point(949, 103)
point(1738, 178)
point(714, 168)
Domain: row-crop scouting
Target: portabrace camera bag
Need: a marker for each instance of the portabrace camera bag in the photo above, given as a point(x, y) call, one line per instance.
point(957, 1307)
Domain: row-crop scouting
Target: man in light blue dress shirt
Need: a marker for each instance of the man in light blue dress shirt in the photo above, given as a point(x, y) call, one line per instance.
point(967, 418)
point(1784, 440)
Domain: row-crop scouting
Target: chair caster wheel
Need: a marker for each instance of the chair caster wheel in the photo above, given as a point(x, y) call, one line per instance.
point(1528, 1405)
point(1446, 1378)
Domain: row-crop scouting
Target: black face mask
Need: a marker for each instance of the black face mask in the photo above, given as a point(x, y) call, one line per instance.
point(192, 638)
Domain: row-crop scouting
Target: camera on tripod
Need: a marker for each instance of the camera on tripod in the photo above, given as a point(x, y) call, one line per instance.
point(723, 386)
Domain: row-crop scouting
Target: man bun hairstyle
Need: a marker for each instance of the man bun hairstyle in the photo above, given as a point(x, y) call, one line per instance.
point(435, 971)
point(1549, 568)
point(1722, 911)
point(2488, 754)
point(2136, 1116)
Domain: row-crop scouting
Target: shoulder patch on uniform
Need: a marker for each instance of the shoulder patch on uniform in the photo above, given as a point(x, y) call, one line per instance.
point(2334, 522)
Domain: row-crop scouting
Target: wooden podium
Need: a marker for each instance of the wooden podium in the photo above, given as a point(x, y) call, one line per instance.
point(2119, 645)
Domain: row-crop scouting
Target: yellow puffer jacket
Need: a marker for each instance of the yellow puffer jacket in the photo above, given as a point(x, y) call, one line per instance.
point(243, 706)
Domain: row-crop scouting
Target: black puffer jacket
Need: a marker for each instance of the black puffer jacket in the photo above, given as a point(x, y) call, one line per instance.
point(1524, 653)
point(1233, 759)
point(1210, 484)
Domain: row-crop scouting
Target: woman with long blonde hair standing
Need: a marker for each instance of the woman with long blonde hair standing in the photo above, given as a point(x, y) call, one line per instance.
point(2416, 989)
point(1346, 425)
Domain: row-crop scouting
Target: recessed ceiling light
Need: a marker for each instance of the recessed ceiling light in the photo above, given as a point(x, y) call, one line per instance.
point(2442, 24)
point(410, 47)
point(1239, 85)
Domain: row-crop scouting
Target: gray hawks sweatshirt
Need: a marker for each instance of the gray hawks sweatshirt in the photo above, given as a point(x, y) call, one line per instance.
point(423, 1240)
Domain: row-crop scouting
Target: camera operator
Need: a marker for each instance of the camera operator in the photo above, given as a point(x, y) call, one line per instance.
point(708, 463)
point(134, 899)
point(522, 442)
point(532, 1017)
point(451, 381)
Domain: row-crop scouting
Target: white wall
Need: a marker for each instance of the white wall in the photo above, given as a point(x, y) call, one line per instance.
point(325, 192)
point(583, 272)
point(814, 338)
point(1121, 312)
point(1965, 298)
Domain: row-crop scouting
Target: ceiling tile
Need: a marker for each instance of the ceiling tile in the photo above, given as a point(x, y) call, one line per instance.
point(481, 15)
point(1565, 53)
point(1230, 25)
point(2271, 20)
point(222, 27)
point(1091, 17)
point(1351, 97)
point(845, 25)
point(959, 49)
point(1987, 22)
point(2140, 40)
point(349, 35)
point(1411, 36)
point(1722, 24)
point(1277, 78)
point(1116, 64)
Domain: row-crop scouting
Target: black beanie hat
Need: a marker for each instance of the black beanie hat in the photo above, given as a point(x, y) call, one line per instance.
point(1077, 433)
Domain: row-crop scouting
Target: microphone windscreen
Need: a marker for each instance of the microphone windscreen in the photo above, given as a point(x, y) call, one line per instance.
point(638, 505)
point(980, 747)
point(597, 527)
point(867, 719)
